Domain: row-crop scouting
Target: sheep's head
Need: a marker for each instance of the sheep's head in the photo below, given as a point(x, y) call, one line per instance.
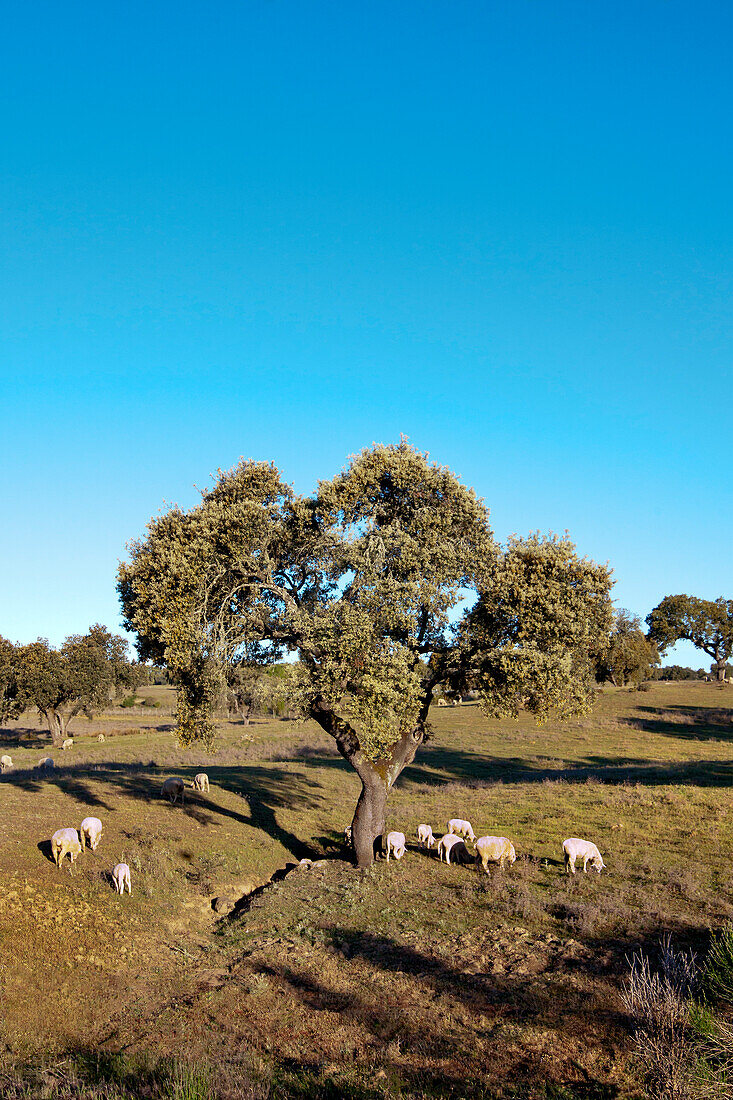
point(597, 863)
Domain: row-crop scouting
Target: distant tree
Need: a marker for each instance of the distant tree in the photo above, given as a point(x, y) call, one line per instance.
point(10, 705)
point(359, 580)
point(79, 678)
point(628, 656)
point(708, 624)
point(677, 672)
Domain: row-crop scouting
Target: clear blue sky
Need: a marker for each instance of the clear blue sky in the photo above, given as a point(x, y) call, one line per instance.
point(286, 229)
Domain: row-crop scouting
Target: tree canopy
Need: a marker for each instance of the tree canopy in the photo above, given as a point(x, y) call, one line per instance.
point(78, 678)
point(10, 704)
point(708, 624)
point(629, 656)
point(362, 580)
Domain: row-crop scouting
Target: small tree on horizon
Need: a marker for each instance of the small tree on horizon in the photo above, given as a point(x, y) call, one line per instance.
point(81, 677)
point(359, 580)
point(628, 656)
point(708, 624)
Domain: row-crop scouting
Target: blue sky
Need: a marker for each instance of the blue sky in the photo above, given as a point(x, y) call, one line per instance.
point(284, 230)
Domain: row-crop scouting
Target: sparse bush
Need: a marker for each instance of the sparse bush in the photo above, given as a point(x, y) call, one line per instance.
point(717, 972)
point(659, 1004)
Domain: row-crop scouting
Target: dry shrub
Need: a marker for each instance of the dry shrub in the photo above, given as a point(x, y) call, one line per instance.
point(659, 1004)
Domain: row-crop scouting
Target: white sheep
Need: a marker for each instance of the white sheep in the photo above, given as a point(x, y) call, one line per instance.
point(442, 703)
point(173, 789)
point(201, 782)
point(68, 743)
point(90, 832)
point(396, 844)
point(46, 762)
point(452, 843)
point(461, 828)
point(6, 762)
point(494, 849)
point(65, 842)
point(574, 848)
point(121, 878)
point(425, 836)
point(101, 738)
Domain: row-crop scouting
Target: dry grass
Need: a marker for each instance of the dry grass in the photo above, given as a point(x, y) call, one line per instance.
point(332, 983)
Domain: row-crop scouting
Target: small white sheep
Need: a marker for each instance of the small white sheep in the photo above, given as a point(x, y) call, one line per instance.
point(6, 762)
point(425, 836)
point(46, 762)
point(201, 782)
point(65, 842)
point(173, 789)
point(68, 743)
point(455, 844)
point(100, 738)
point(574, 848)
point(121, 878)
point(461, 828)
point(494, 849)
point(396, 844)
point(442, 703)
point(90, 832)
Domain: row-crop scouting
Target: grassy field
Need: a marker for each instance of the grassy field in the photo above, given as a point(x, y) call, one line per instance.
point(412, 980)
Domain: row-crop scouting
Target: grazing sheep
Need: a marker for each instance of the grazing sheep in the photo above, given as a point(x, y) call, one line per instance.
point(201, 782)
point(47, 762)
point(442, 703)
point(461, 828)
point(90, 832)
point(574, 848)
point(121, 878)
point(100, 738)
point(494, 849)
point(65, 842)
point(173, 788)
point(425, 836)
point(5, 762)
point(396, 844)
point(349, 835)
point(452, 843)
point(68, 743)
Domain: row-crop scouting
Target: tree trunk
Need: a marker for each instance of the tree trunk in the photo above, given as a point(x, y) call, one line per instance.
point(369, 819)
point(720, 664)
point(57, 724)
point(377, 777)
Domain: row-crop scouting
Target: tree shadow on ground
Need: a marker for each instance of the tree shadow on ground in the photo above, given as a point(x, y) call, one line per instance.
point(437, 765)
point(498, 1000)
point(684, 722)
point(265, 790)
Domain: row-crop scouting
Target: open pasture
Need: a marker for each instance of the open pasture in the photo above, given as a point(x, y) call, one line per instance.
point(411, 980)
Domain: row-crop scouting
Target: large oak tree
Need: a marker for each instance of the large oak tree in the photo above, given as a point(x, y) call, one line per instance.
point(360, 581)
point(708, 624)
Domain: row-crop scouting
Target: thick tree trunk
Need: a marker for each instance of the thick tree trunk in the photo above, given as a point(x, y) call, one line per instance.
point(377, 777)
point(369, 820)
point(57, 724)
point(720, 664)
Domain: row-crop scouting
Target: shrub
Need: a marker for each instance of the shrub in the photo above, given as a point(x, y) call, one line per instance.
point(659, 1006)
point(717, 972)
